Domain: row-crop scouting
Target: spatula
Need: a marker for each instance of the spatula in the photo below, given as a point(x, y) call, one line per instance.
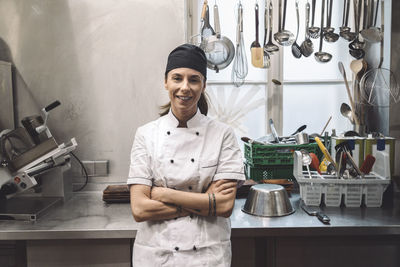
point(257, 53)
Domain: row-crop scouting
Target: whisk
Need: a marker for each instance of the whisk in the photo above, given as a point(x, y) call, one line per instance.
point(239, 68)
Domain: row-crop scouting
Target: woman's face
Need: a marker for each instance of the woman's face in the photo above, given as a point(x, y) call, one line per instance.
point(184, 87)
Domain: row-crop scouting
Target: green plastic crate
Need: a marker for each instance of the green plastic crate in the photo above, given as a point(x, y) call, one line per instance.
point(265, 172)
point(279, 154)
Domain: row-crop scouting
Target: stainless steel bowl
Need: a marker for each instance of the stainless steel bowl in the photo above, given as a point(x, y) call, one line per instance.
point(268, 200)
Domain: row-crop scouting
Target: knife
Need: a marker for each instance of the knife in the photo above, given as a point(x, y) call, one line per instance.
point(315, 212)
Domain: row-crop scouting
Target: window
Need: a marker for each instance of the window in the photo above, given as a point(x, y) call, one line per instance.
point(311, 91)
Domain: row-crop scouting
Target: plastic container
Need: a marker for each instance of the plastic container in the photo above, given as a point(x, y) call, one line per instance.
point(329, 190)
point(279, 154)
point(386, 144)
point(263, 172)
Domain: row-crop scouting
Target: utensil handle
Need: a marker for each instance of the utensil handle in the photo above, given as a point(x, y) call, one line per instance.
point(323, 217)
point(347, 12)
point(307, 18)
point(216, 22)
point(238, 26)
point(298, 18)
point(330, 13)
point(365, 14)
point(203, 11)
point(353, 163)
point(358, 7)
point(344, 13)
point(325, 151)
point(321, 36)
point(284, 14)
point(52, 106)
point(280, 15)
point(257, 22)
point(273, 130)
point(313, 12)
point(382, 32)
point(376, 12)
point(265, 24)
point(371, 13)
point(270, 21)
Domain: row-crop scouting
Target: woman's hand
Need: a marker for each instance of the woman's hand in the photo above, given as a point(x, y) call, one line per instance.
point(222, 186)
point(158, 193)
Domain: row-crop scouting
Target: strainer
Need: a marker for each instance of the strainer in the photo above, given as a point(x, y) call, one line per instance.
point(380, 88)
point(219, 49)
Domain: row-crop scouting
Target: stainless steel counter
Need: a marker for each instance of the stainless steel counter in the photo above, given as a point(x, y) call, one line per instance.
point(86, 216)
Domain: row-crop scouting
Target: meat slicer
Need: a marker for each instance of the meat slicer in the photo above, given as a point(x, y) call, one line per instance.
point(32, 167)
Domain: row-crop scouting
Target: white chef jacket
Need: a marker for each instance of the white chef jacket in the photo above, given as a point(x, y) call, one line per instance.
point(186, 159)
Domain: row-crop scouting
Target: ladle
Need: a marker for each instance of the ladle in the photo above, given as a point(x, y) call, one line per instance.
point(356, 43)
point(296, 50)
point(270, 47)
point(330, 36)
point(307, 47)
point(313, 31)
point(345, 110)
point(357, 53)
point(345, 31)
point(344, 27)
point(284, 37)
point(322, 57)
point(373, 34)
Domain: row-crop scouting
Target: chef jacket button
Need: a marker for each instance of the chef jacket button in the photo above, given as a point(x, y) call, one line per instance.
point(192, 160)
point(190, 187)
point(172, 161)
point(176, 248)
point(168, 132)
point(197, 133)
point(194, 248)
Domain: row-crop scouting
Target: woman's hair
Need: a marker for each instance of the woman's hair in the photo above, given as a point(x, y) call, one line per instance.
point(202, 104)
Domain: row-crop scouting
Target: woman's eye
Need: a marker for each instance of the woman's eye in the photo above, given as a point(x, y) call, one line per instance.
point(176, 78)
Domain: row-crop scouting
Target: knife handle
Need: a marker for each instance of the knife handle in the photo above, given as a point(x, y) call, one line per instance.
point(323, 217)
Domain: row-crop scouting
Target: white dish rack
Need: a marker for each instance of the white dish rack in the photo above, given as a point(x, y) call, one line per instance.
point(328, 189)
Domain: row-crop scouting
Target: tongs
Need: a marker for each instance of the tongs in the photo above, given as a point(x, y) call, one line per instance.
point(315, 212)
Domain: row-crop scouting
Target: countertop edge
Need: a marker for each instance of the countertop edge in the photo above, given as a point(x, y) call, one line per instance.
point(71, 234)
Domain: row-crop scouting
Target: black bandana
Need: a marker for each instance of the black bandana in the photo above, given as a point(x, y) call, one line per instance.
point(187, 56)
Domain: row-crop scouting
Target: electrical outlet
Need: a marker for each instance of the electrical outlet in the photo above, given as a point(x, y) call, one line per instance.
point(95, 167)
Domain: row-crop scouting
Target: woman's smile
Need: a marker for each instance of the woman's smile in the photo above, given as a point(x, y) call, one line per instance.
point(184, 98)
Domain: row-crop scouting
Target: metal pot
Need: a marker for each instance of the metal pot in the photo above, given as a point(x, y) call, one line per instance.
point(268, 200)
point(219, 49)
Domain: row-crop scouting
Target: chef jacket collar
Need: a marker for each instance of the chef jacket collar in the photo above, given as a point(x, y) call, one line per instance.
point(193, 122)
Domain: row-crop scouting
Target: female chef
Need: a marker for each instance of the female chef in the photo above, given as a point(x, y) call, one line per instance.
point(183, 175)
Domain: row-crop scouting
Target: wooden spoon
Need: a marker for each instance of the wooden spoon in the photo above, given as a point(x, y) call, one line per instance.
point(356, 67)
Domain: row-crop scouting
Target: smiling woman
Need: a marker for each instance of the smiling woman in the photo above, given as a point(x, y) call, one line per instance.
point(184, 172)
